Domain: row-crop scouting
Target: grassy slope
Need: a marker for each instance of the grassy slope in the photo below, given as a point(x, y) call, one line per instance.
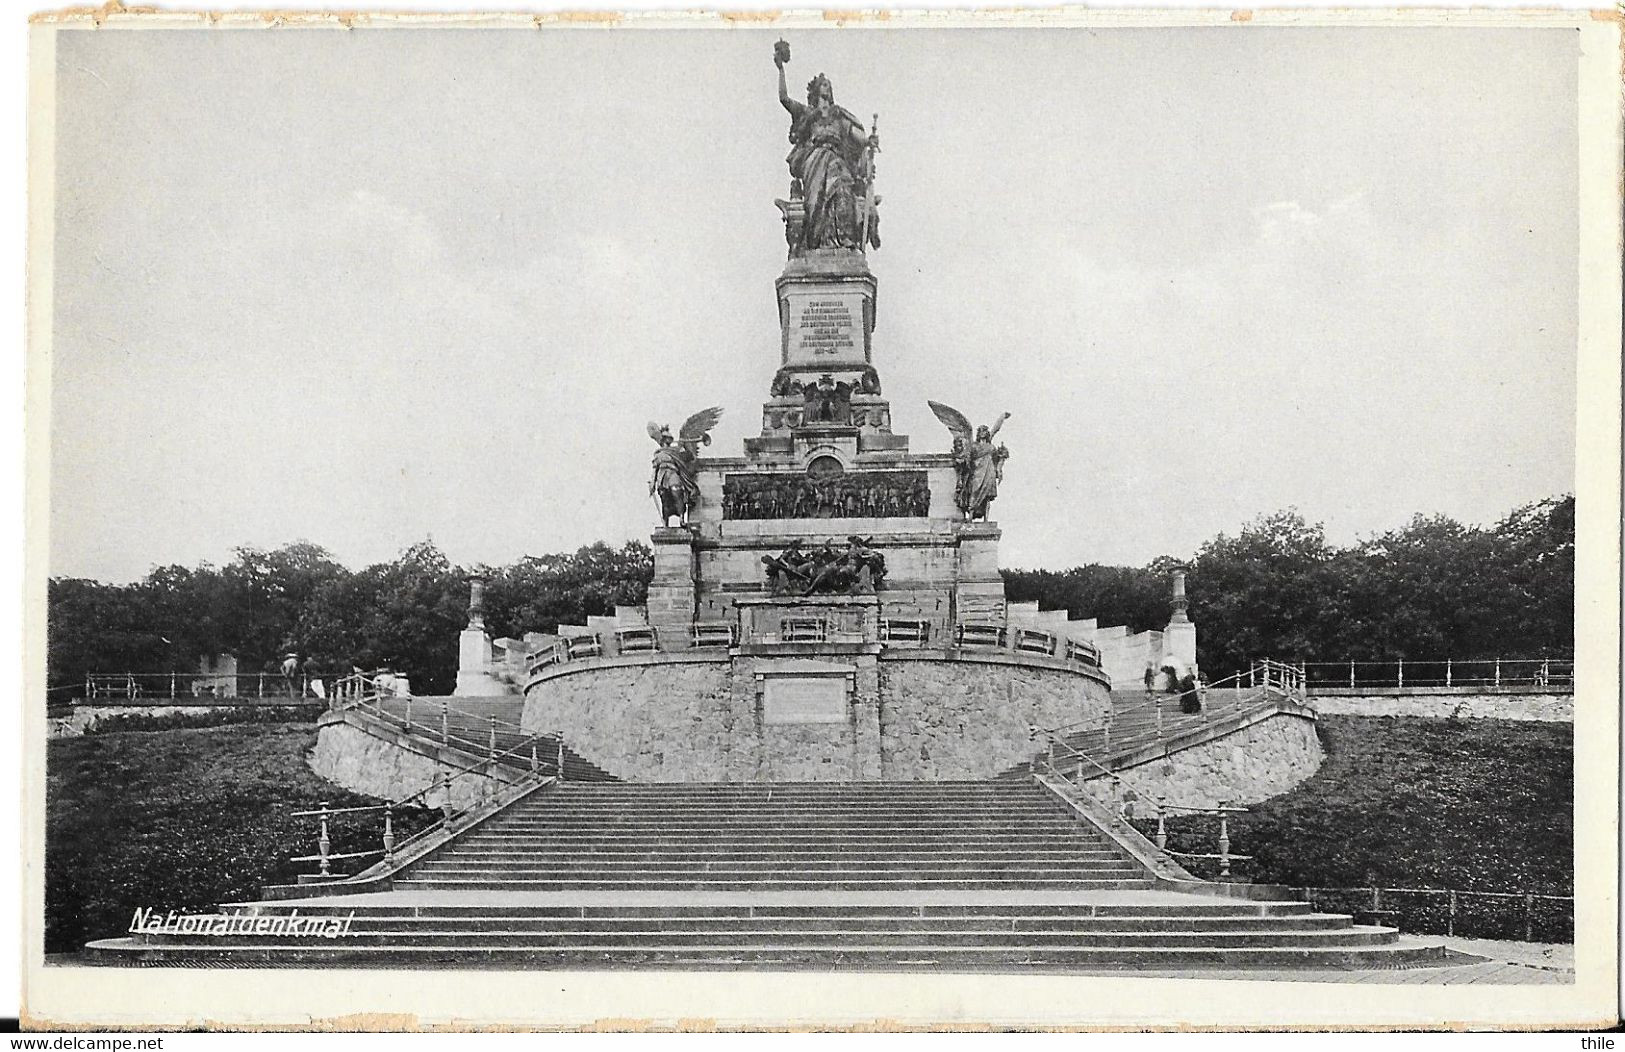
point(178, 818)
point(1481, 805)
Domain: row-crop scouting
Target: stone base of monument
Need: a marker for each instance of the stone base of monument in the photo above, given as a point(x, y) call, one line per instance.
point(817, 699)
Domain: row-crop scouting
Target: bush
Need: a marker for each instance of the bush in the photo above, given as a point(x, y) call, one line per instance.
point(219, 717)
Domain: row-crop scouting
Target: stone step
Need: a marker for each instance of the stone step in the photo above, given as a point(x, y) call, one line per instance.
point(553, 841)
point(1216, 909)
point(1045, 820)
point(832, 870)
point(762, 812)
point(857, 954)
point(760, 884)
point(475, 854)
point(1006, 925)
point(835, 938)
point(762, 790)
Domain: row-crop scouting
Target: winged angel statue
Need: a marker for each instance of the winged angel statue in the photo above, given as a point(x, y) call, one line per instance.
point(979, 463)
point(674, 485)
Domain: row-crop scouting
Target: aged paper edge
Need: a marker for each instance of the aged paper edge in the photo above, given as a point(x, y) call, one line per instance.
point(106, 998)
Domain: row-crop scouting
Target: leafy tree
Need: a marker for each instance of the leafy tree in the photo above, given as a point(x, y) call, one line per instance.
point(403, 615)
point(539, 593)
point(1270, 591)
point(1113, 595)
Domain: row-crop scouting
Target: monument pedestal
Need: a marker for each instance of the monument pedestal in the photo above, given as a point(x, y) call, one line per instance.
point(671, 601)
point(474, 665)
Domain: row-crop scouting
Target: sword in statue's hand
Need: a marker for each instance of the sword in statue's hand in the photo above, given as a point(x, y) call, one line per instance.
point(873, 146)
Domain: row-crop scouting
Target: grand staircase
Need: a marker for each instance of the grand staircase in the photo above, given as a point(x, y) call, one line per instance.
point(971, 875)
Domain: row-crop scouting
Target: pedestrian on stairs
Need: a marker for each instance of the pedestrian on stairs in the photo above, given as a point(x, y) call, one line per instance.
point(1190, 701)
point(1150, 678)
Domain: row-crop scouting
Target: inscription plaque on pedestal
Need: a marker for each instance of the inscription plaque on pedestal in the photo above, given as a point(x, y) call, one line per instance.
point(811, 699)
point(825, 327)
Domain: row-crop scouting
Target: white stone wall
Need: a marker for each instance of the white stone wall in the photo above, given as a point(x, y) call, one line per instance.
point(1255, 763)
point(1551, 708)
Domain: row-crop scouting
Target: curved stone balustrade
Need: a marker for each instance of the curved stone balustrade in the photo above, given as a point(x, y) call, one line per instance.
point(893, 633)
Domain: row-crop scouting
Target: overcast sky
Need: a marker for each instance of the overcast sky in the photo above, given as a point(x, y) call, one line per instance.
point(370, 286)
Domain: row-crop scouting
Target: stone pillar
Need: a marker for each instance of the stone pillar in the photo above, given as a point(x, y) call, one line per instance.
point(866, 758)
point(1179, 637)
point(671, 591)
point(978, 585)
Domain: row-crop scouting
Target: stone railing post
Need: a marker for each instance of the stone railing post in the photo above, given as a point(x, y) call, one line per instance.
point(1224, 844)
point(442, 785)
point(324, 843)
point(1162, 830)
point(389, 834)
point(445, 725)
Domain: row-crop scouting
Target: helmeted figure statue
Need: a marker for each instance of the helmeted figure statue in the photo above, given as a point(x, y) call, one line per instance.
point(979, 462)
point(833, 163)
point(674, 484)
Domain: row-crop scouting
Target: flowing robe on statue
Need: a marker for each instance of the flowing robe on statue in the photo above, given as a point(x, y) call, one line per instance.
point(983, 484)
point(827, 159)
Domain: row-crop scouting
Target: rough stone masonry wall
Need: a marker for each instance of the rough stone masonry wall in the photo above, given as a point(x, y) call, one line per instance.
point(963, 719)
point(375, 766)
point(1253, 764)
point(652, 722)
point(1549, 707)
point(929, 719)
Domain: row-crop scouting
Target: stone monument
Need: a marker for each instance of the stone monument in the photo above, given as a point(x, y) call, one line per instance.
point(828, 604)
point(475, 661)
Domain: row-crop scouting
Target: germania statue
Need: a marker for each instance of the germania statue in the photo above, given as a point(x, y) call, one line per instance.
point(832, 164)
point(674, 485)
point(979, 463)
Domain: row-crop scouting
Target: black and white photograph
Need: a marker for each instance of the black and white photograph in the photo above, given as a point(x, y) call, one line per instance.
point(1013, 520)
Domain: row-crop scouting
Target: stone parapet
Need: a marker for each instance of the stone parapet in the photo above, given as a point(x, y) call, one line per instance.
point(1483, 703)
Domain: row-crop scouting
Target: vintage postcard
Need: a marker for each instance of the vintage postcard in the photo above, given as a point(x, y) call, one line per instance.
point(1041, 519)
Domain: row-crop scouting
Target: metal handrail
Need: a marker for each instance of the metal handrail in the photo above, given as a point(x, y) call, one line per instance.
point(445, 708)
point(449, 813)
point(1500, 671)
point(1159, 805)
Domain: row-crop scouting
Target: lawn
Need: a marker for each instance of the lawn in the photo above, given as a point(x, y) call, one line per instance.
point(174, 819)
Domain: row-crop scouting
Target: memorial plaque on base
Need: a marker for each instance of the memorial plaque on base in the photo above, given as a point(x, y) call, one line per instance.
point(820, 699)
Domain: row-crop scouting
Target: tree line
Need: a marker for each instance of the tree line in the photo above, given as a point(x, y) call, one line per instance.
point(1434, 589)
point(404, 614)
